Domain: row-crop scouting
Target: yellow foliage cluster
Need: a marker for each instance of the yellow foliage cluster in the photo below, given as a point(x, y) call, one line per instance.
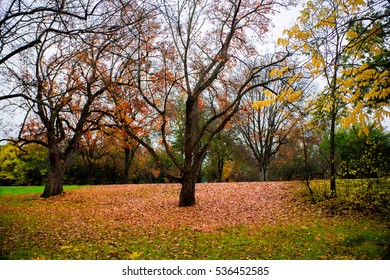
point(364, 88)
point(278, 72)
point(283, 42)
point(288, 94)
point(260, 104)
point(227, 170)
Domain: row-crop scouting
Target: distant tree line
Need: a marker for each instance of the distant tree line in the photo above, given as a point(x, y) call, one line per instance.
point(359, 156)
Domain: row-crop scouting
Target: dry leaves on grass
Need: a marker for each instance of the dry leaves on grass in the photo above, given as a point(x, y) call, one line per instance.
point(148, 206)
point(229, 221)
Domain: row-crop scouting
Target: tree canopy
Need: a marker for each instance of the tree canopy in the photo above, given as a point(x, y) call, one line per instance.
point(190, 84)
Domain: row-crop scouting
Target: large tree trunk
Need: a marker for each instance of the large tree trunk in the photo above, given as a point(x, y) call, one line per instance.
point(191, 148)
point(187, 192)
point(55, 180)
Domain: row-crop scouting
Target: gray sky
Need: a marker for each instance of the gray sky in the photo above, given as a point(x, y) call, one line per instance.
point(281, 20)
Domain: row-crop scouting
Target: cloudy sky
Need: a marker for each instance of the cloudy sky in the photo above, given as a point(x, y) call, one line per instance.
point(281, 20)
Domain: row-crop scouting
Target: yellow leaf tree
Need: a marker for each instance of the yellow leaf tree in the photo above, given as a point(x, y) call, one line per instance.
point(326, 34)
point(365, 81)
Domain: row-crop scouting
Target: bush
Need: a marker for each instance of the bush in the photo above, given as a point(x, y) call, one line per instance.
point(368, 201)
point(370, 196)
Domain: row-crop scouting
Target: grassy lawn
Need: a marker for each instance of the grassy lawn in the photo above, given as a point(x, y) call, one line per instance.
point(229, 221)
point(14, 190)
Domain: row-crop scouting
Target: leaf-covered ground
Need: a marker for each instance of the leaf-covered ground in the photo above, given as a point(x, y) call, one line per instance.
point(229, 221)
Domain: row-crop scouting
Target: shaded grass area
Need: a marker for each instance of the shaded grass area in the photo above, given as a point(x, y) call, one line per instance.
point(78, 226)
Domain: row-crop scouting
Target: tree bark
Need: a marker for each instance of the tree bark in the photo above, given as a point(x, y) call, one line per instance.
point(192, 161)
point(333, 115)
point(187, 192)
point(55, 181)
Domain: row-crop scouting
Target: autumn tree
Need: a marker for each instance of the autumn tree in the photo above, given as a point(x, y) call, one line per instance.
point(63, 84)
point(128, 116)
point(205, 55)
point(365, 81)
point(65, 106)
point(324, 33)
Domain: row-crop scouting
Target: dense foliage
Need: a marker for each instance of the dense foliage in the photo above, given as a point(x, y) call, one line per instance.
point(362, 156)
point(23, 167)
point(359, 156)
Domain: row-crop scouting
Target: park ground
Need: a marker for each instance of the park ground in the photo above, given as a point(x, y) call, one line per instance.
point(268, 220)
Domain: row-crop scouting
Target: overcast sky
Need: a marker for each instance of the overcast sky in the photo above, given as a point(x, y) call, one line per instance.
point(281, 20)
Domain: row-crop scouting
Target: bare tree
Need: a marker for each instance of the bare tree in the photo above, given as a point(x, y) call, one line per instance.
point(24, 24)
point(264, 129)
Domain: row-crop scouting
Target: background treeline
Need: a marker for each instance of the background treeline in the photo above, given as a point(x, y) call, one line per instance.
point(108, 162)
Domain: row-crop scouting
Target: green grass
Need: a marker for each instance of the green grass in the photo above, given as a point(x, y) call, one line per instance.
point(344, 240)
point(18, 190)
point(270, 242)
